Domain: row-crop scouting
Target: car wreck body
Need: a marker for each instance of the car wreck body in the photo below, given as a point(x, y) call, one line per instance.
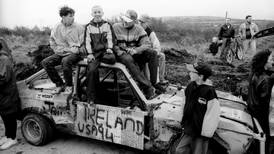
point(155, 125)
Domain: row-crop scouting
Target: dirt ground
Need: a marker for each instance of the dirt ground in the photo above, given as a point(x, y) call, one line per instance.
point(66, 144)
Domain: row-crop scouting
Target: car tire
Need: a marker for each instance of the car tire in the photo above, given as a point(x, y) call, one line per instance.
point(36, 129)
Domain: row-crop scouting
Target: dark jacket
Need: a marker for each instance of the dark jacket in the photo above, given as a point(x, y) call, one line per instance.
point(98, 37)
point(226, 32)
point(200, 105)
point(259, 92)
point(9, 96)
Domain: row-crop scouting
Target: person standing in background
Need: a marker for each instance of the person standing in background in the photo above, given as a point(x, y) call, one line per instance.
point(247, 30)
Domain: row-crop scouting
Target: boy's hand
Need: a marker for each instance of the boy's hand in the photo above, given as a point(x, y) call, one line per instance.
point(120, 52)
point(75, 49)
point(90, 58)
point(109, 51)
point(132, 51)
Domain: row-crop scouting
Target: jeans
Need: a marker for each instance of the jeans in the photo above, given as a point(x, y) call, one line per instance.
point(10, 125)
point(249, 47)
point(192, 145)
point(134, 70)
point(148, 56)
point(92, 79)
point(162, 66)
point(67, 62)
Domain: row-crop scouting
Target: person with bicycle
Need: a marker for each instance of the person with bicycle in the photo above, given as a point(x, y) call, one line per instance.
point(226, 33)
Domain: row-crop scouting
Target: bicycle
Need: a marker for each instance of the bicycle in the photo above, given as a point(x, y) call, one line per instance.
point(233, 50)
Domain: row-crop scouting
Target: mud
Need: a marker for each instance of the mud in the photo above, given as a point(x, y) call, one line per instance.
point(231, 78)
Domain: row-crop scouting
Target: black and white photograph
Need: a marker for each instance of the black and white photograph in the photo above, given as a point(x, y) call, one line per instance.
point(136, 77)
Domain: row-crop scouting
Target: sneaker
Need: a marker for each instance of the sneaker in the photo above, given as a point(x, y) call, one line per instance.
point(150, 93)
point(68, 90)
point(9, 143)
point(58, 90)
point(163, 82)
point(136, 108)
point(159, 88)
point(3, 140)
point(90, 102)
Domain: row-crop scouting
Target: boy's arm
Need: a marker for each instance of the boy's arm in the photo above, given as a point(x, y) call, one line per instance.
point(109, 36)
point(52, 41)
point(155, 42)
point(77, 40)
point(211, 118)
point(233, 33)
point(256, 28)
point(87, 40)
point(144, 44)
point(241, 30)
point(220, 33)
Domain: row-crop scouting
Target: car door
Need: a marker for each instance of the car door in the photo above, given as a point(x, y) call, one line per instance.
point(110, 118)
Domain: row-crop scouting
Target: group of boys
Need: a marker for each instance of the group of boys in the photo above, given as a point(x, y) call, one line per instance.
point(133, 43)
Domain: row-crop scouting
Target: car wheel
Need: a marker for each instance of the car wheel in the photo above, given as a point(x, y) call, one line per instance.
point(36, 129)
point(229, 56)
point(240, 53)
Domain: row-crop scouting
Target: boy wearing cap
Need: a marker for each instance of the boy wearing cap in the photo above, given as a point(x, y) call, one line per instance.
point(201, 111)
point(99, 44)
point(133, 46)
point(143, 21)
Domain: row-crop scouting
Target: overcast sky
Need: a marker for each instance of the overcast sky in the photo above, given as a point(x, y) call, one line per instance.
point(45, 12)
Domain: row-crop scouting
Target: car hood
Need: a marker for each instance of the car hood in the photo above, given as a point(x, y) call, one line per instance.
point(170, 105)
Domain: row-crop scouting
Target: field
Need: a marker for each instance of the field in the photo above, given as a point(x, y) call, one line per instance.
point(183, 39)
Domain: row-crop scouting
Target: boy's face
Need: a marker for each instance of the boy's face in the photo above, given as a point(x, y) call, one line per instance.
point(227, 21)
point(97, 13)
point(269, 63)
point(193, 75)
point(128, 24)
point(249, 19)
point(68, 20)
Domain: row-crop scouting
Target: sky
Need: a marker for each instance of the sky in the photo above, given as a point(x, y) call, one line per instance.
point(44, 13)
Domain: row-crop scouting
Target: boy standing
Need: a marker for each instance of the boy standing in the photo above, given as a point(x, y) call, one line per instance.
point(99, 44)
point(201, 111)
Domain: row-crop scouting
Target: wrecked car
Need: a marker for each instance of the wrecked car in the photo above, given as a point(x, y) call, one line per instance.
point(122, 115)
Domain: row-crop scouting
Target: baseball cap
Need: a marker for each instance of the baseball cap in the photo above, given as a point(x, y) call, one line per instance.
point(125, 18)
point(132, 14)
point(200, 68)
